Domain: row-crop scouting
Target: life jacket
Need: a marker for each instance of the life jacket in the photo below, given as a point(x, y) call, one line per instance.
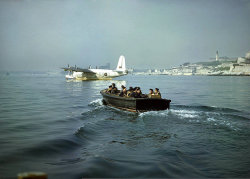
point(108, 90)
point(113, 91)
point(156, 95)
point(132, 94)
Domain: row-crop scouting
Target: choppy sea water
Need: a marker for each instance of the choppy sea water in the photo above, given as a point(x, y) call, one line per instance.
point(60, 127)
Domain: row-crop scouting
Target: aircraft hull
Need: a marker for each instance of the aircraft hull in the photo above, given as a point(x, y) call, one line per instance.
point(106, 75)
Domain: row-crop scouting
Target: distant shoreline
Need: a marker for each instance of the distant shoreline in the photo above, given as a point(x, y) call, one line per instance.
point(195, 75)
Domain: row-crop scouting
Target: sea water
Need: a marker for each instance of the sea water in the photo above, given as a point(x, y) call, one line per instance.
point(61, 127)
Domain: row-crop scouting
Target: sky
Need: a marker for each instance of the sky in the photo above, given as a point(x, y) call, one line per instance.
point(49, 34)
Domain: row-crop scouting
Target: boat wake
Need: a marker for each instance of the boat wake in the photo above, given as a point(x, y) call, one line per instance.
point(96, 108)
point(97, 102)
point(213, 116)
point(203, 115)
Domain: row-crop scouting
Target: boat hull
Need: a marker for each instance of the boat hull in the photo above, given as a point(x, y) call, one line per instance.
point(135, 104)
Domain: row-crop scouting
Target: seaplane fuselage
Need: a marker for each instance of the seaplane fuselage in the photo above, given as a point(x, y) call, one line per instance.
point(98, 74)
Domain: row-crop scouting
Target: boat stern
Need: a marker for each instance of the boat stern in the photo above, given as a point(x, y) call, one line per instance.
point(152, 104)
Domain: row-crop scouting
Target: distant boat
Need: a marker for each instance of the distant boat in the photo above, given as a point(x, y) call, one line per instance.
point(97, 74)
point(135, 104)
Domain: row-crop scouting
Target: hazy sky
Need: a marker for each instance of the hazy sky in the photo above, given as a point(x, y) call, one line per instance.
point(49, 34)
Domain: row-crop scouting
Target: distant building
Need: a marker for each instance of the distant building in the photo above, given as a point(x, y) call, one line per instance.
point(149, 71)
point(243, 60)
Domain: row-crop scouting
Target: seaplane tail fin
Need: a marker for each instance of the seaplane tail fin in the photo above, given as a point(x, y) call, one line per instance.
point(121, 66)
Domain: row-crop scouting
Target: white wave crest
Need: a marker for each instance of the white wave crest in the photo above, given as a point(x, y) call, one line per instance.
point(154, 113)
point(222, 122)
point(211, 119)
point(97, 102)
point(185, 113)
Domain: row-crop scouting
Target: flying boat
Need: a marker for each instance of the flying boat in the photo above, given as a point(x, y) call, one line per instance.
point(97, 74)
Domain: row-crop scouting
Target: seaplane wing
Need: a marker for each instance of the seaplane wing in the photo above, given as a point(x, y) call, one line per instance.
point(97, 74)
point(86, 71)
point(76, 69)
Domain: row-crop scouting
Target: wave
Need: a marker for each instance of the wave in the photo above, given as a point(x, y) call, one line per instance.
point(154, 113)
point(185, 113)
point(97, 108)
point(96, 102)
point(85, 133)
point(53, 147)
point(46, 148)
point(67, 161)
point(218, 117)
point(205, 108)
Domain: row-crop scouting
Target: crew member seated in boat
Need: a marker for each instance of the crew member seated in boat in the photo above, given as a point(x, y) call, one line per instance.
point(157, 92)
point(138, 93)
point(151, 92)
point(109, 89)
point(123, 91)
point(113, 85)
point(133, 93)
point(130, 90)
point(114, 90)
